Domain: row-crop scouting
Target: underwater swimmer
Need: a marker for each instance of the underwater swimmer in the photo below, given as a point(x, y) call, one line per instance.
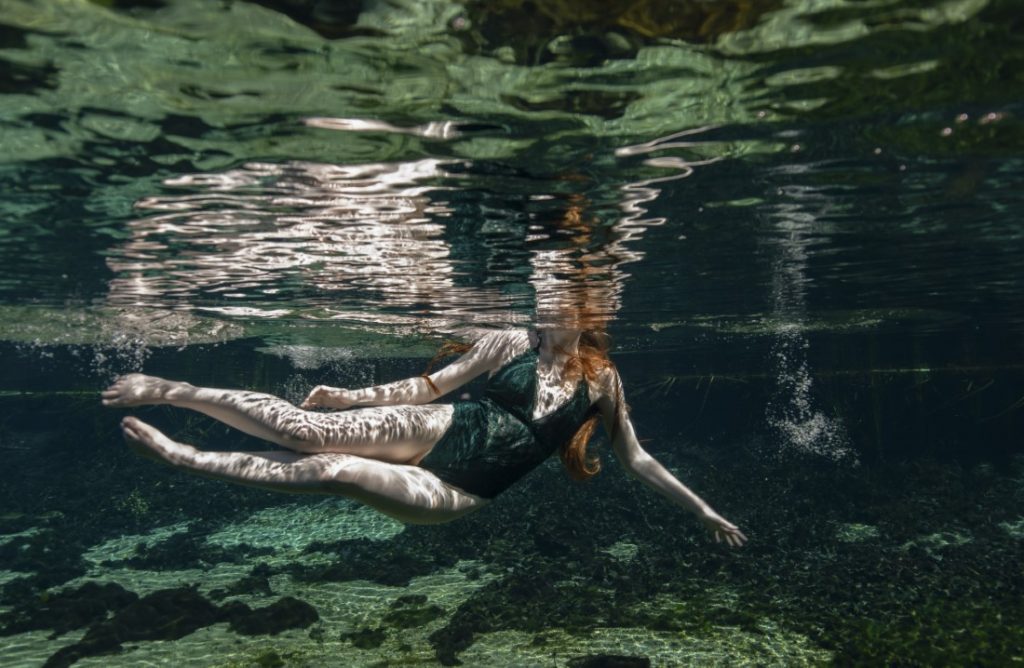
point(417, 461)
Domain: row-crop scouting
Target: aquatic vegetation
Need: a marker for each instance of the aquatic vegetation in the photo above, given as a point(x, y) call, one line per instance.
point(135, 504)
point(540, 585)
point(297, 527)
point(856, 533)
point(1015, 528)
point(623, 551)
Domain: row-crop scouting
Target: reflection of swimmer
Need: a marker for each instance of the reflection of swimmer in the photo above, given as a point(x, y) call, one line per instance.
point(419, 461)
point(263, 234)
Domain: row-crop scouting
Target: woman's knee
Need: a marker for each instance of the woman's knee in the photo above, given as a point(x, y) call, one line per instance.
point(404, 498)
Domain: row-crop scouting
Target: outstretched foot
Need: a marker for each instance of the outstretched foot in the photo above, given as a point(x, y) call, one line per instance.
point(137, 389)
point(151, 443)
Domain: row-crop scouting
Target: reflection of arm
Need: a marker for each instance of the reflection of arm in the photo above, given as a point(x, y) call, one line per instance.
point(485, 355)
point(641, 465)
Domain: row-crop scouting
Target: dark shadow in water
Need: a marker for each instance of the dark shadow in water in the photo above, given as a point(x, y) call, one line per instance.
point(583, 33)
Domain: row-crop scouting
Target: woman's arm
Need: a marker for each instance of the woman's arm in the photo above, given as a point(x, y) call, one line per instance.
point(641, 465)
point(485, 355)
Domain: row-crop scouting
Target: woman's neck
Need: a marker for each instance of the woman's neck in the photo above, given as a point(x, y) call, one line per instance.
point(555, 342)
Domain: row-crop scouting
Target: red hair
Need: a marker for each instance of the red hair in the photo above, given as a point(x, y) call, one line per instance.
point(590, 360)
point(448, 348)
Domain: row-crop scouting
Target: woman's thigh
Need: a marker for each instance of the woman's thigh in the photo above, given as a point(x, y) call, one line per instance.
point(406, 493)
point(396, 434)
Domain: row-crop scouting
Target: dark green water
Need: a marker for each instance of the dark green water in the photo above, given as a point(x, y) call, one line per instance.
point(803, 220)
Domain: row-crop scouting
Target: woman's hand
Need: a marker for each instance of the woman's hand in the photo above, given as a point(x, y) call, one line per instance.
point(324, 396)
point(722, 529)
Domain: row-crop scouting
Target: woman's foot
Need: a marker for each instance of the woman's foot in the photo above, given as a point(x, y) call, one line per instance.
point(151, 443)
point(137, 389)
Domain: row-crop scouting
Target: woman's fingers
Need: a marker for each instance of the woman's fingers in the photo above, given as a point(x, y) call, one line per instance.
point(730, 535)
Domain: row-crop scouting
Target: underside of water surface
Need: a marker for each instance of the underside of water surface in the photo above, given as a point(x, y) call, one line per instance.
point(800, 222)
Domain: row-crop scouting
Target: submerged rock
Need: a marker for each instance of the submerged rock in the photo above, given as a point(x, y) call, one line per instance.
point(170, 614)
point(366, 638)
point(609, 661)
point(250, 584)
point(190, 549)
point(167, 614)
point(410, 611)
point(67, 610)
point(286, 613)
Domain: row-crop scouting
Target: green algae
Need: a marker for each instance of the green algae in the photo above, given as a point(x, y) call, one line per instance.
point(854, 532)
point(294, 528)
point(133, 330)
point(934, 544)
point(1014, 528)
point(565, 595)
point(113, 327)
point(939, 632)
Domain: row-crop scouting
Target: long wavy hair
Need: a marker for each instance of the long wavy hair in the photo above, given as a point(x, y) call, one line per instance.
point(589, 360)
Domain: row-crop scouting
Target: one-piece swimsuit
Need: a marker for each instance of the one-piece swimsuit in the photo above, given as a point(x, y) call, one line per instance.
point(494, 441)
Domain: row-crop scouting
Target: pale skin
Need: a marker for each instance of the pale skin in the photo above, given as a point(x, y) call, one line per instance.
point(370, 453)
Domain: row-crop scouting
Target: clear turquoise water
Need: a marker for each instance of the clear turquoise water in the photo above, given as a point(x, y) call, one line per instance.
point(803, 220)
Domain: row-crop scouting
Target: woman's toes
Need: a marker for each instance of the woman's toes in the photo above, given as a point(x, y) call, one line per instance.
point(133, 389)
point(147, 441)
point(130, 428)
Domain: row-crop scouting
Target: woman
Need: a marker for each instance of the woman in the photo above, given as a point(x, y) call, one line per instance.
point(418, 461)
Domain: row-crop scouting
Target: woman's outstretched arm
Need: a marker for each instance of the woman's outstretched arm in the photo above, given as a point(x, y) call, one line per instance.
point(641, 465)
point(487, 354)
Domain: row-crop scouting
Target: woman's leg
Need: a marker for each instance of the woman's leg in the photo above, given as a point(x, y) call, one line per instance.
point(398, 434)
point(407, 493)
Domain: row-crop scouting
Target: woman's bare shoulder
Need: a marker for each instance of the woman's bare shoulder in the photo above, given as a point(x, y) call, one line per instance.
point(475, 334)
point(500, 345)
point(606, 384)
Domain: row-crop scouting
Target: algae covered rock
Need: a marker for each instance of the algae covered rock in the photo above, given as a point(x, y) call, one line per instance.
point(286, 613)
point(610, 661)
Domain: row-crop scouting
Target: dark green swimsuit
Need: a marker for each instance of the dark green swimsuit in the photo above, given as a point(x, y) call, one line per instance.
point(495, 441)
